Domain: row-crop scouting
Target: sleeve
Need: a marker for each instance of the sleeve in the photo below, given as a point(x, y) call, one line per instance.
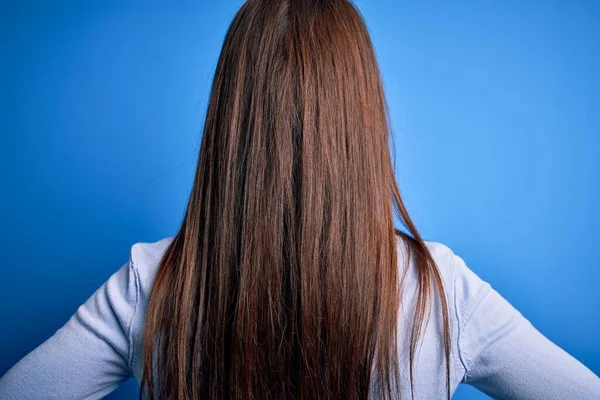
point(90, 355)
point(505, 356)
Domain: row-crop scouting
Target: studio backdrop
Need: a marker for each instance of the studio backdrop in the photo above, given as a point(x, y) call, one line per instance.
point(495, 112)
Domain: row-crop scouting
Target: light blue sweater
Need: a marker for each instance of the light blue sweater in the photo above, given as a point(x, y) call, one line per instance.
point(494, 348)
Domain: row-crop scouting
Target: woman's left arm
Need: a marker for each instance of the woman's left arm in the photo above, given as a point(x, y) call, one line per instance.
point(90, 355)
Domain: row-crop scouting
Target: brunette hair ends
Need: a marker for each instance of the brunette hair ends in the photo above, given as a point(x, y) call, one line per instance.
point(283, 281)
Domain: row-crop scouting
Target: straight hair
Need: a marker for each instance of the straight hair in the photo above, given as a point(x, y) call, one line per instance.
point(283, 281)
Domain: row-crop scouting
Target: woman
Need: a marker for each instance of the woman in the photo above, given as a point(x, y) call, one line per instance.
point(287, 278)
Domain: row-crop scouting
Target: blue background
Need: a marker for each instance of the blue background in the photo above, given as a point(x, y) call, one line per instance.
point(497, 135)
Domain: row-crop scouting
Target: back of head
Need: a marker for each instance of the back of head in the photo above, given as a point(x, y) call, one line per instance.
point(283, 280)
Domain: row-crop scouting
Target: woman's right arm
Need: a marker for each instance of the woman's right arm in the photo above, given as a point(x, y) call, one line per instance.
point(505, 356)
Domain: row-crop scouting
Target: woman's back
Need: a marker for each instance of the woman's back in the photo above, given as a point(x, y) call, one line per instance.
point(493, 346)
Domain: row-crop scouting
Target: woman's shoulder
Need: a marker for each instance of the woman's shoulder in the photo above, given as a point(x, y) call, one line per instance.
point(452, 268)
point(464, 286)
point(150, 253)
point(463, 290)
point(460, 282)
point(145, 258)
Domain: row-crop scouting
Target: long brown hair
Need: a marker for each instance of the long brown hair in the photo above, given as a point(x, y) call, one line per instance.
point(283, 280)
